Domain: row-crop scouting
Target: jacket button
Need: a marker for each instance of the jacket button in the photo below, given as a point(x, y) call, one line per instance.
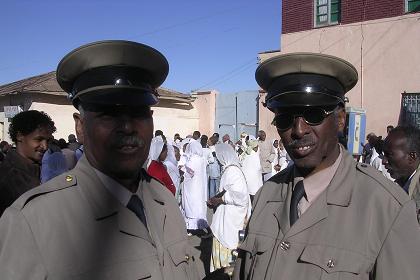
point(187, 258)
point(330, 264)
point(69, 178)
point(284, 245)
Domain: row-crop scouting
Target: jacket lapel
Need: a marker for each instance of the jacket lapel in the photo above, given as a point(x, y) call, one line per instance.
point(129, 223)
point(338, 193)
point(155, 211)
point(314, 214)
point(282, 212)
point(103, 204)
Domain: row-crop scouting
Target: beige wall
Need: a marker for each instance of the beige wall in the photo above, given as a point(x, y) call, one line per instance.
point(176, 120)
point(205, 103)
point(62, 115)
point(265, 117)
point(386, 54)
point(169, 116)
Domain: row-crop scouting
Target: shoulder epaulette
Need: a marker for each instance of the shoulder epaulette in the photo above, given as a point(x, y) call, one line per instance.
point(60, 182)
point(391, 187)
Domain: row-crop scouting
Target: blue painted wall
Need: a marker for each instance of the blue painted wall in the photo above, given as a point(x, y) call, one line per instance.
point(226, 122)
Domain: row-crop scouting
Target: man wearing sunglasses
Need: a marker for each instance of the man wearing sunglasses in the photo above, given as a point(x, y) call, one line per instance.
point(326, 216)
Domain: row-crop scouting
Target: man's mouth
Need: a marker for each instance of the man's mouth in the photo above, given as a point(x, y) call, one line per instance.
point(302, 151)
point(128, 149)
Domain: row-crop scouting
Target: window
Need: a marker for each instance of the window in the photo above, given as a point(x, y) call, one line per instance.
point(412, 6)
point(410, 109)
point(327, 12)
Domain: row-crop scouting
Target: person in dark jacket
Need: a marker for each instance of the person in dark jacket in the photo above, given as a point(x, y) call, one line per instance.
point(20, 171)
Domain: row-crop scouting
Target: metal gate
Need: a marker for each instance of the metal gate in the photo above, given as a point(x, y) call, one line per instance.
point(236, 113)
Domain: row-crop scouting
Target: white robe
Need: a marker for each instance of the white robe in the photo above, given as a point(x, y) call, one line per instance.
point(251, 167)
point(230, 217)
point(172, 168)
point(194, 192)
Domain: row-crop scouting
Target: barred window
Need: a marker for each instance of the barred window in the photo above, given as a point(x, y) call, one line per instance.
point(410, 109)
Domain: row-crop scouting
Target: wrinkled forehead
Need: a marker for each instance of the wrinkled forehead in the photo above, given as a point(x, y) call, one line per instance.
point(396, 140)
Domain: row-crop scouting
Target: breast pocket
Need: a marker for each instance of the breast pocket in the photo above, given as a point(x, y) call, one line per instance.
point(257, 250)
point(183, 263)
point(336, 263)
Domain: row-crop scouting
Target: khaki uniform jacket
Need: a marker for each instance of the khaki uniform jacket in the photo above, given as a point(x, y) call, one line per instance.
point(267, 155)
point(73, 228)
point(361, 227)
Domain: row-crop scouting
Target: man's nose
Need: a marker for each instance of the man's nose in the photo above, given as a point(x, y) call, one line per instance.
point(44, 145)
point(126, 124)
point(300, 127)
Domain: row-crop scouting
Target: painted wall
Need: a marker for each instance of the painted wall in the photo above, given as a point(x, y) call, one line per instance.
point(265, 118)
point(384, 52)
point(205, 103)
point(168, 116)
point(183, 120)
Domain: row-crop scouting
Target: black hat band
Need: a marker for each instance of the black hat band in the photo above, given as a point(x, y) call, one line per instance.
point(309, 83)
point(107, 76)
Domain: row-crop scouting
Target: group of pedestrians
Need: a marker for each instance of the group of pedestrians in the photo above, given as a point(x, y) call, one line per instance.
point(133, 202)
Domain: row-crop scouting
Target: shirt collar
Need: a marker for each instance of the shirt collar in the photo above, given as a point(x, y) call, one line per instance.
point(316, 183)
point(116, 189)
point(407, 183)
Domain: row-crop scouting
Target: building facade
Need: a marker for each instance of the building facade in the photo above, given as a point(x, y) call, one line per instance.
point(380, 38)
point(175, 112)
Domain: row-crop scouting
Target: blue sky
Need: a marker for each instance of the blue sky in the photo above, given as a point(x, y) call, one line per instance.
point(209, 44)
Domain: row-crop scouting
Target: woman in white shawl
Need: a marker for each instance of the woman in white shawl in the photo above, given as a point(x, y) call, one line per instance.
point(194, 191)
point(172, 167)
point(251, 167)
point(232, 207)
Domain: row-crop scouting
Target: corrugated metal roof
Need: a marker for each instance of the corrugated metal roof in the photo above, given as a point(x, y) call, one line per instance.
point(47, 84)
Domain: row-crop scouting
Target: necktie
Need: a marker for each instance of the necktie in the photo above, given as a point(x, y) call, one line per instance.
point(136, 206)
point(298, 193)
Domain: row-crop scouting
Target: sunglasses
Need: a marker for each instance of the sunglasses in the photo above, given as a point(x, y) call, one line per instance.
point(311, 115)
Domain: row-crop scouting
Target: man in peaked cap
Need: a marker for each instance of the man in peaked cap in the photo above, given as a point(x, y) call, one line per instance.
point(106, 218)
point(326, 216)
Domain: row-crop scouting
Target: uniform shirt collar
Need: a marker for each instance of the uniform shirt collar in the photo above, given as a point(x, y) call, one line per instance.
point(407, 183)
point(315, 184)
point(117, 190)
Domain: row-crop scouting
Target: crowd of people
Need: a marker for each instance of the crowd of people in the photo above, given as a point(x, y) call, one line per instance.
point(127, 201)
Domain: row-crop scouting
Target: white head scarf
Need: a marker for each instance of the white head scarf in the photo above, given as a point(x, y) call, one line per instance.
point(194, 148)
point(156, 147)
point(226, 155)
point(171, 155)
point(183, 142)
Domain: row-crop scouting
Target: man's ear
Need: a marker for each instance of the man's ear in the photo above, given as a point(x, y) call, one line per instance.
point(19, 137)
point(341, 119)
point(78, 123)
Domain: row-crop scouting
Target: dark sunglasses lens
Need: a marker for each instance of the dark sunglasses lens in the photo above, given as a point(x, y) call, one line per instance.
point(314, 116)
point(283, 121)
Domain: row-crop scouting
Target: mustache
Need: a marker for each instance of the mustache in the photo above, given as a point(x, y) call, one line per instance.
point(129, 141)
point(308, 141)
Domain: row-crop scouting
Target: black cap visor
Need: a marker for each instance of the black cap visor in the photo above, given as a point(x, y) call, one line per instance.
point(116, 95)
point(302, 99)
